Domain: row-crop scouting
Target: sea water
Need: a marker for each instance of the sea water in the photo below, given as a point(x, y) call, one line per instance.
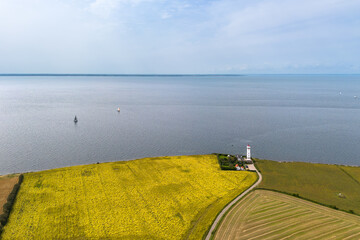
point(313, 118)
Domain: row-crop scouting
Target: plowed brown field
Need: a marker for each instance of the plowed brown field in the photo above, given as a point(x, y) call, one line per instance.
point(6, 185)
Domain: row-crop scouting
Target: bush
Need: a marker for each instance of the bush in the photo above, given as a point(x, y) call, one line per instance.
point(7, 207)
point(227, 163)
point(3, 219)
point(21, 178)
point(227, 168)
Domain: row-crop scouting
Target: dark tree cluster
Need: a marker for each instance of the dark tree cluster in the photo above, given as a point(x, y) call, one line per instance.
point(227, 162)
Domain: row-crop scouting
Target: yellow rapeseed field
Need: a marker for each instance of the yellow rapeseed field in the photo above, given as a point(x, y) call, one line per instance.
point(151, 198)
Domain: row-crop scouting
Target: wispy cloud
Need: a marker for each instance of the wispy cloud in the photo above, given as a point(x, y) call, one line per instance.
point(158, 36)
point(165, 15)
point(105, 8)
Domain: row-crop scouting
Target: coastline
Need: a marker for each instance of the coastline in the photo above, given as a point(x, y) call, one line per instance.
point(154, 157)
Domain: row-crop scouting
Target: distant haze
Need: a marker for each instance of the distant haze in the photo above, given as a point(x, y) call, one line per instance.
point(164, 37)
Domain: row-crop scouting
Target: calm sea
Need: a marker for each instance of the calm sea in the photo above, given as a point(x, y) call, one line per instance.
point(314, 118)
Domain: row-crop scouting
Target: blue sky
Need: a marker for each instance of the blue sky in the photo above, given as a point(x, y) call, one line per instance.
point(158, 36)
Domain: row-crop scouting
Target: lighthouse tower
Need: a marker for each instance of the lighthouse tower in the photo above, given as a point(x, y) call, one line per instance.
point(248, 153)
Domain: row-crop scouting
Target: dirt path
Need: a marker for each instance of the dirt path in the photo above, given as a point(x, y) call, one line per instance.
point(224, 211)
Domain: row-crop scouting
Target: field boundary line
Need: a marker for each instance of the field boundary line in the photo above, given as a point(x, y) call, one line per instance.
point(304, 201)
point(349, 175)
point(309, 200)
point(223, 212)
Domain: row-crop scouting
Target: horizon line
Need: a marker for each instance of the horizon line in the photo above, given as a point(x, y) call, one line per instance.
point(111, 74)
point(157, 74)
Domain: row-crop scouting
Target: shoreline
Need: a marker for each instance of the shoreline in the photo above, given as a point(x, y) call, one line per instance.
point(128, 160)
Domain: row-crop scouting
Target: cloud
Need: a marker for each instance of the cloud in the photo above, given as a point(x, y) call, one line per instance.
point(165, 15)
point(287, 33)
point(277, 15)
point(131, 36)
point(106, 8)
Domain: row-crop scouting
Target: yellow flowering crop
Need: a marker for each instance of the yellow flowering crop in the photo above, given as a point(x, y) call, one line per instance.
point(151, 198)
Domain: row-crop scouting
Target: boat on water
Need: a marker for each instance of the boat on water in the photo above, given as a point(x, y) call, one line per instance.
point(75, 120)
point(118, 109)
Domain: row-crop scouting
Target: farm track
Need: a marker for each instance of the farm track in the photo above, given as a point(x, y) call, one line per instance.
point(270, 215)
point(230, 205)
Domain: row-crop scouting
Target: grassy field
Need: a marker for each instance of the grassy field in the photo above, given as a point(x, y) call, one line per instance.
point(151, 198)
point(270, 215)
point(327, 184)
point(6, 186)
point(354, 172)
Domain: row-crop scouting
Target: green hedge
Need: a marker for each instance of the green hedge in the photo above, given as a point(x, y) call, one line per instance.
point(310, 200)
point(227, 163)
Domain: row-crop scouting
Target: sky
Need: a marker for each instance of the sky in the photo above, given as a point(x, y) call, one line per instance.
point(180, 36)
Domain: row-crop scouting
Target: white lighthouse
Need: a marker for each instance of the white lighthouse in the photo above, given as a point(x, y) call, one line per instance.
point(248, 153)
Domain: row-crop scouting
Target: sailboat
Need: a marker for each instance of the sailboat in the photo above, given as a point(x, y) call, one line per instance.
point(75, 119)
